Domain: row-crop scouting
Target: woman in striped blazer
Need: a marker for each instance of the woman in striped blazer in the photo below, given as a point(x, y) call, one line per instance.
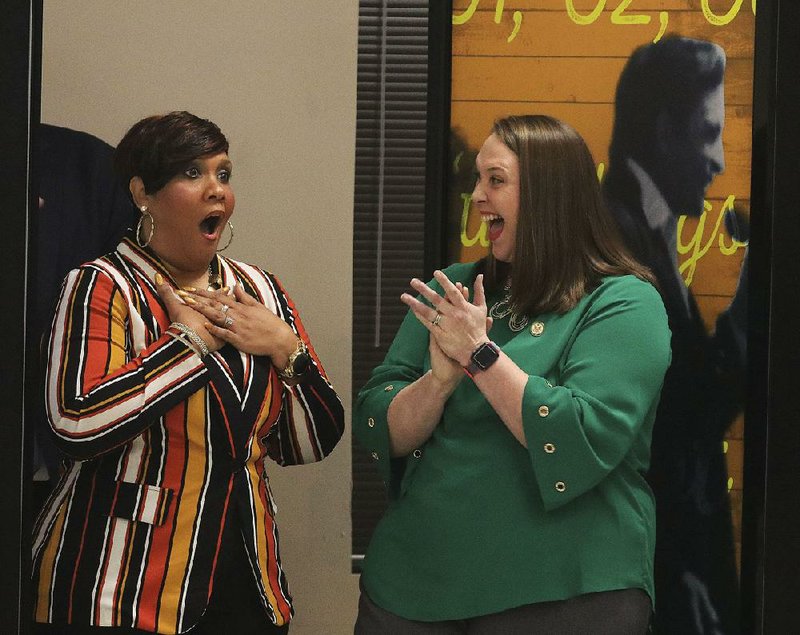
point(173, 373)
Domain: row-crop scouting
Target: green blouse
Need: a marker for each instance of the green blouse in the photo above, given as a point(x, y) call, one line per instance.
point(477, 523)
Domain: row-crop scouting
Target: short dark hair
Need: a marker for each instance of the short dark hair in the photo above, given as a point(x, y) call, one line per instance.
point(672, 75)
point(159, 147)
point(566, 238)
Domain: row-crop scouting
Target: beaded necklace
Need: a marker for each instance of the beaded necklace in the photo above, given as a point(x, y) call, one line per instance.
point(503, 308)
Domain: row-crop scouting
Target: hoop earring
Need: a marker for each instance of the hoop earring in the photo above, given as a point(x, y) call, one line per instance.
point(230, 240)
point(139, 225)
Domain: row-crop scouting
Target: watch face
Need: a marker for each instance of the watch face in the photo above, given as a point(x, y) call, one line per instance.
point(485, 356)
point(301, 363)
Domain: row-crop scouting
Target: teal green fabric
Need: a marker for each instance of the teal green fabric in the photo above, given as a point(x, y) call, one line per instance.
point(477, 523)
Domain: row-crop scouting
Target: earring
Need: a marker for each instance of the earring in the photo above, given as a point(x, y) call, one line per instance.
point(230, 240)
point(144, 211)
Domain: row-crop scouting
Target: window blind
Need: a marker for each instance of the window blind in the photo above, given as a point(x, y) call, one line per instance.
point(394, 238)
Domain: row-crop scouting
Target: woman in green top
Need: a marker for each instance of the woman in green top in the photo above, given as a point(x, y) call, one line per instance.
point(512, 422)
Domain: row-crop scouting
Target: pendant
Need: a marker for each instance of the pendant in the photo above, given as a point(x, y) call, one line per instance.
point(214, 280)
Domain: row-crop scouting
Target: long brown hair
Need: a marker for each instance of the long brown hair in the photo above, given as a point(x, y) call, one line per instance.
point(566, 239)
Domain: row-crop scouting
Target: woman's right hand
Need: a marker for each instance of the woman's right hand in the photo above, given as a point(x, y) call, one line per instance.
point(181, 311)
point(417, 409)
point(445, 370)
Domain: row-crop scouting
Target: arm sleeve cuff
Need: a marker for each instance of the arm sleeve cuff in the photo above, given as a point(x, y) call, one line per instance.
point(370, 425)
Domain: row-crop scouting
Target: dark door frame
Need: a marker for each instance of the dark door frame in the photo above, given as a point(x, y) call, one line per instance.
point(771, 537)
point(20, 60)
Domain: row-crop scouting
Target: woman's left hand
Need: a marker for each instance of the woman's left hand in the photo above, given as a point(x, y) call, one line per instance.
point(461, 325)
point(245, 323)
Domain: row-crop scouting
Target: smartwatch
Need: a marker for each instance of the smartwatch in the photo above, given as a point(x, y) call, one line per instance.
point(482, 357)
point(298, 362)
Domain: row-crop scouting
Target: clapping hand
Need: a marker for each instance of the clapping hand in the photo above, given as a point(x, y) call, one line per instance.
point(457, 326)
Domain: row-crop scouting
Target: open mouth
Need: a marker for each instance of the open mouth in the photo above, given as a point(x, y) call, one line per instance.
point(494, 224)
point(211, 224)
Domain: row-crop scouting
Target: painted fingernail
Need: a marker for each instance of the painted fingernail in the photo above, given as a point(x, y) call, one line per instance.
point(182, 293)
point(189, 300)
point(225, 289)
point(192, 289)
point(159, 278)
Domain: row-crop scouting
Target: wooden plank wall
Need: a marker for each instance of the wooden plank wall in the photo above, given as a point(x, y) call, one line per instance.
point(531, 56)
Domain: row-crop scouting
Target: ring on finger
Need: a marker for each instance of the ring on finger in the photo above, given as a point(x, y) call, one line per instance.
point(228, 322)
point(225, 308)
point(435, 321)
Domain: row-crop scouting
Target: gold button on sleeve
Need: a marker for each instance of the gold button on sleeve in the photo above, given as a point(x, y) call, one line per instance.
point(417, 453)
point(561, 486)
point(549, 448)
point(537, 328)
point(544, 411)
point(371, 422)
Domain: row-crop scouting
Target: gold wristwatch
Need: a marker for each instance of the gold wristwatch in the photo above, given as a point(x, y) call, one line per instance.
point(298, 362)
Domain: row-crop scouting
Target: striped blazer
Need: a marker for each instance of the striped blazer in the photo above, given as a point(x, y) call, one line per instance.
point(164, 445)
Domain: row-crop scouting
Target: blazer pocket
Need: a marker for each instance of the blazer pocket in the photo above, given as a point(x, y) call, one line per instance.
point(141, 502)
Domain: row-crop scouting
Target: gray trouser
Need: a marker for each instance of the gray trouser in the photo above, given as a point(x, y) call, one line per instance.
point(625, 612)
